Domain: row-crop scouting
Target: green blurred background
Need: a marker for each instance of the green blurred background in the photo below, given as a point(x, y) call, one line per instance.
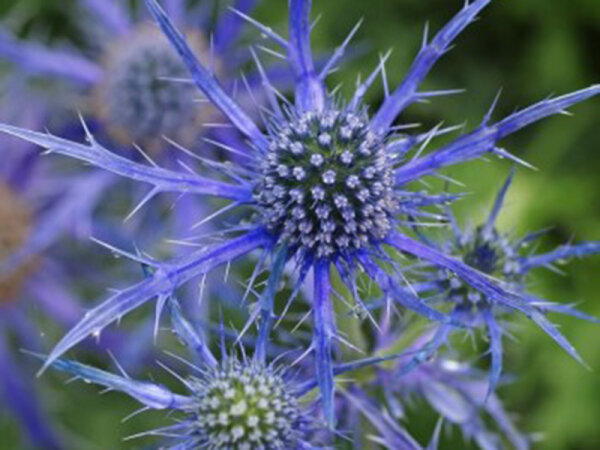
point(530, 48)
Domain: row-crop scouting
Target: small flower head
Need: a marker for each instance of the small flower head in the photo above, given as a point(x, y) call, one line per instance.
point(143, 95)
point(326, 183)
point(15, 218)
point(489, 252)
point(245, 407)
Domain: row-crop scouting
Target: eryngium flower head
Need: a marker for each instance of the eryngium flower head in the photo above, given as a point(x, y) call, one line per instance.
point(277, 228)
point(128, 77)
point(506, 259)
point(143, 95)
point(326, 185)
point(231, 403)
point(245, 406)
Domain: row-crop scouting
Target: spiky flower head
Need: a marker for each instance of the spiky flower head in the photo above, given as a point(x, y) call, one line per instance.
point(231, 403)
point(144, 94)
point(129, 79)
point(337, 226)
point(326, 185)
point(502, 257)
point(245, 407)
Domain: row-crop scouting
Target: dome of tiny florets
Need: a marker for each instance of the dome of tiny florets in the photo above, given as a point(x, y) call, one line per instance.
point(15, 223)
point(489, 252)
point(144, 95)
point(246, 407)
point(326, 184)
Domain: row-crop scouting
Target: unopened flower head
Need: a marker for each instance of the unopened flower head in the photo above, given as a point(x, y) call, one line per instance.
point(246, 407)
point(326, 183)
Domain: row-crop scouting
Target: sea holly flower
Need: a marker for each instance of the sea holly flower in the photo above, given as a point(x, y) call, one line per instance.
point(508, 260)
point(328, 181)
point(232, 401)
point(128, 78)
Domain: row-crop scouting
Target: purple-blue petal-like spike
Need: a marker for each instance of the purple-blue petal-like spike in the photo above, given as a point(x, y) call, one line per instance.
point(39, 60)
point(323, 332)
point(392, 434)
point(495, 335)
point(310, 92)
point(427, 351)
point(335, 59)
point(484, 138)
point(230, 25)
point(483, 284)
point(491, 220)
point(19, 397)
point(151, 395)
point(205, 81)
point(401, 146)
point(403, 296)
point(267, 304)
point(495, 409)
point(567, 310)
point(176, 10)
point(434, 443)
point(81, 198)
point(111, 12)
point(164, 281)
point(188, 334)
point(406, 93)
point(561, 253)
point(162, 179)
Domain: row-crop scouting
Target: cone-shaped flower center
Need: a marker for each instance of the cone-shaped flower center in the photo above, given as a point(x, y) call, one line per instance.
point(144, 95)
point(327, 183)
point(246, 407)
point(14, 230)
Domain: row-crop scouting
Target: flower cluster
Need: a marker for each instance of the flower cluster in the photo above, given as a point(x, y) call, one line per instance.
point(324, 191)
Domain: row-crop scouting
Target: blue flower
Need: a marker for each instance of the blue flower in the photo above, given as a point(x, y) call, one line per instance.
point(507, 260)
point(231, 401)
point(328, 183)
point(131, 81)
